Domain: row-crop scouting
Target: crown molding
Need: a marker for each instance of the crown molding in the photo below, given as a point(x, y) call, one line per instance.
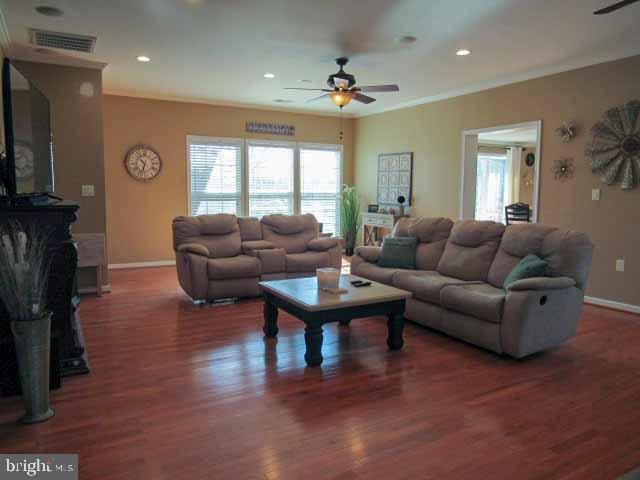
point(511, 79)
point(220, 103)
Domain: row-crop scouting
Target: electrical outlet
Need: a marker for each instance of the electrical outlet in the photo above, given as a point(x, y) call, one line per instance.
point(620, 264)
point(595, 194)
point(88, 191)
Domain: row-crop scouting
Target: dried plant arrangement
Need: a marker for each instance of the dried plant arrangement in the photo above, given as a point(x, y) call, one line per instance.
point(24, 271)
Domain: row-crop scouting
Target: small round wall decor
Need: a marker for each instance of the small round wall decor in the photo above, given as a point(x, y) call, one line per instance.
point(530, 159)
point(614, 150)
point(143, 163)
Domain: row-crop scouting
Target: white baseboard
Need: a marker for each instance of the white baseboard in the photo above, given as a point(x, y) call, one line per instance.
point(84, 290)
point(161, 263)
point(626, 307)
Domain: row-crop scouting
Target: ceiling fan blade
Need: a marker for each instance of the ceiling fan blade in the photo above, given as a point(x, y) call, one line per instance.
point(317, 98)
point(363, 98)
point(381, 88)
point(614, 7)
point(315, 89)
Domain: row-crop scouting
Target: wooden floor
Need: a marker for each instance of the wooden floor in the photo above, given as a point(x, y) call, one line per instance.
point(181, 392)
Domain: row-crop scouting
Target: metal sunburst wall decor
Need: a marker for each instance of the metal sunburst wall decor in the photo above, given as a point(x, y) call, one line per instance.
point(614, 150)
point(563, 168)
point(566, 131)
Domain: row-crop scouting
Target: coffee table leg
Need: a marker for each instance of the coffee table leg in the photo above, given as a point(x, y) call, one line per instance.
point(270, 312)
point(395, 324)
point(313, 339)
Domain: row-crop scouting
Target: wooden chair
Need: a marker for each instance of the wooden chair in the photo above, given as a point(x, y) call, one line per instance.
point(517, 213)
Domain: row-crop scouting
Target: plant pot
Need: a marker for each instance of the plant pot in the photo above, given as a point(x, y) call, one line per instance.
point(33, 343)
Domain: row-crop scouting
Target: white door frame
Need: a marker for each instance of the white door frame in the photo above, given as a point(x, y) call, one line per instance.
point(537, 124)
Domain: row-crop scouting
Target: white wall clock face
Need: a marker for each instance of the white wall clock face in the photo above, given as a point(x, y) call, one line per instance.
point(143, 163)
point(24, 161)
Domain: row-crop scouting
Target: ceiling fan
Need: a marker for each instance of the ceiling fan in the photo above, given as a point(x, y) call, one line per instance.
point(343, 88)
point(614, 7)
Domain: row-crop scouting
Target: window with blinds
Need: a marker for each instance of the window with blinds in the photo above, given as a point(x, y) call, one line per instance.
point(320, 184)
point(270, 172)
point(215, 175)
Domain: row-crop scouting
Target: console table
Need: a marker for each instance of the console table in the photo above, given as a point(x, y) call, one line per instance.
point(374, 225)
point(67, 343)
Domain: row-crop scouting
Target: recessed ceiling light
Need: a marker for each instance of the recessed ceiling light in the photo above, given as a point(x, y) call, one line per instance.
point(143, 58)
point(463, 52)
point(269, 75)
point(49, 11)
point(407, 39)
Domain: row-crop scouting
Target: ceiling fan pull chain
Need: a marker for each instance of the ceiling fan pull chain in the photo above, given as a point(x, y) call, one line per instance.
point(341, 132)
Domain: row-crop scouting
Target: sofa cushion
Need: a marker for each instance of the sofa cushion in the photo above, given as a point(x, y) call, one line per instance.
point(371, 271)
point(272, 260)
point(569, 255)
point(529, 267)
point(369, 253)
point(291, 232)
point(482, 301)
point(398, 252)
point(251, 245)
point(517, 242)
point(307, 261)
point(240, 266)
point(250, 228)
point(219, 233)
point(425, 286)
point(320, 244)
point(470, 249)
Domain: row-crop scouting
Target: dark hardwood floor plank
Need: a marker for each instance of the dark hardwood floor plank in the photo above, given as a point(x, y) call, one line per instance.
point(185, 392)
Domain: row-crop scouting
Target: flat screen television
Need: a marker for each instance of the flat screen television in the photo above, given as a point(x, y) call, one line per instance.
point(27, 167)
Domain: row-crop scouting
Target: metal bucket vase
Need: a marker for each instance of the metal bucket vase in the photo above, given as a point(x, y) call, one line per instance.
point(33, 345)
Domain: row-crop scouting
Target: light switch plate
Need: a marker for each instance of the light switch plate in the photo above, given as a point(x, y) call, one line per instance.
point(595, 194)
point(620, 265)
point(88, 191)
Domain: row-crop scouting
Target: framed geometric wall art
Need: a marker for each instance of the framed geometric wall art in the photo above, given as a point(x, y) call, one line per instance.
point(395, 172)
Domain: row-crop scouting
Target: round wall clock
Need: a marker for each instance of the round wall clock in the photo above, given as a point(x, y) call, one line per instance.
point(23, 160)
point(530, 159)
point(143, 163)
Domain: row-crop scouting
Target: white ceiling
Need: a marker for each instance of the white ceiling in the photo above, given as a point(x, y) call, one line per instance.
point(218, 50)
point(521, 135)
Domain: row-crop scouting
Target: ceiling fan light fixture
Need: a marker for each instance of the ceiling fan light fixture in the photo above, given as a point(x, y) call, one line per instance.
point(341, 98)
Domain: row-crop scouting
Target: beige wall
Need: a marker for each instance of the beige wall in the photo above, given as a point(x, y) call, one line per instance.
point(76, 123)
point(139, 214)
point(433, 132)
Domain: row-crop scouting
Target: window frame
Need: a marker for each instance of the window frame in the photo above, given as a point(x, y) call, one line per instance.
point(244, 144)
point(221, 140)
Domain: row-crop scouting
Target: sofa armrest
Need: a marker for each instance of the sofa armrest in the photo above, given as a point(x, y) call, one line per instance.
point(322, 244)
point(542, 283)
point(369, 253)
point(252, 245)
point(196, 248)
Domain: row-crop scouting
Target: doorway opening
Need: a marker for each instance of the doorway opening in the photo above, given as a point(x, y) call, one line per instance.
point(500, 173)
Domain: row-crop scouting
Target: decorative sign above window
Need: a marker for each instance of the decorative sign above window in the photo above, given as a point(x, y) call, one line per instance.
point(271, 128)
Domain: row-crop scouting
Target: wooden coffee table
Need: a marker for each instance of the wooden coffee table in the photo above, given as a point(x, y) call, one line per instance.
point(301, 298)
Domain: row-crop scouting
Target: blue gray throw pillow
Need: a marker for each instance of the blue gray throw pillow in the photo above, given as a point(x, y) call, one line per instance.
point(398, 252)
point(529, 267)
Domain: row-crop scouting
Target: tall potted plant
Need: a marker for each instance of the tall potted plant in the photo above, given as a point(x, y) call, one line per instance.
point(24, 272)
point(349, 217)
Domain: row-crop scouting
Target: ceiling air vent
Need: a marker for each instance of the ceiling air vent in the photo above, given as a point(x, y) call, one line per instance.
point(65, 41)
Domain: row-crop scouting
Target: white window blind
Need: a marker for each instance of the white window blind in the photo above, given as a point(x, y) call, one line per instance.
point(320, 184)
point(215, 181)
point(270, 177)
